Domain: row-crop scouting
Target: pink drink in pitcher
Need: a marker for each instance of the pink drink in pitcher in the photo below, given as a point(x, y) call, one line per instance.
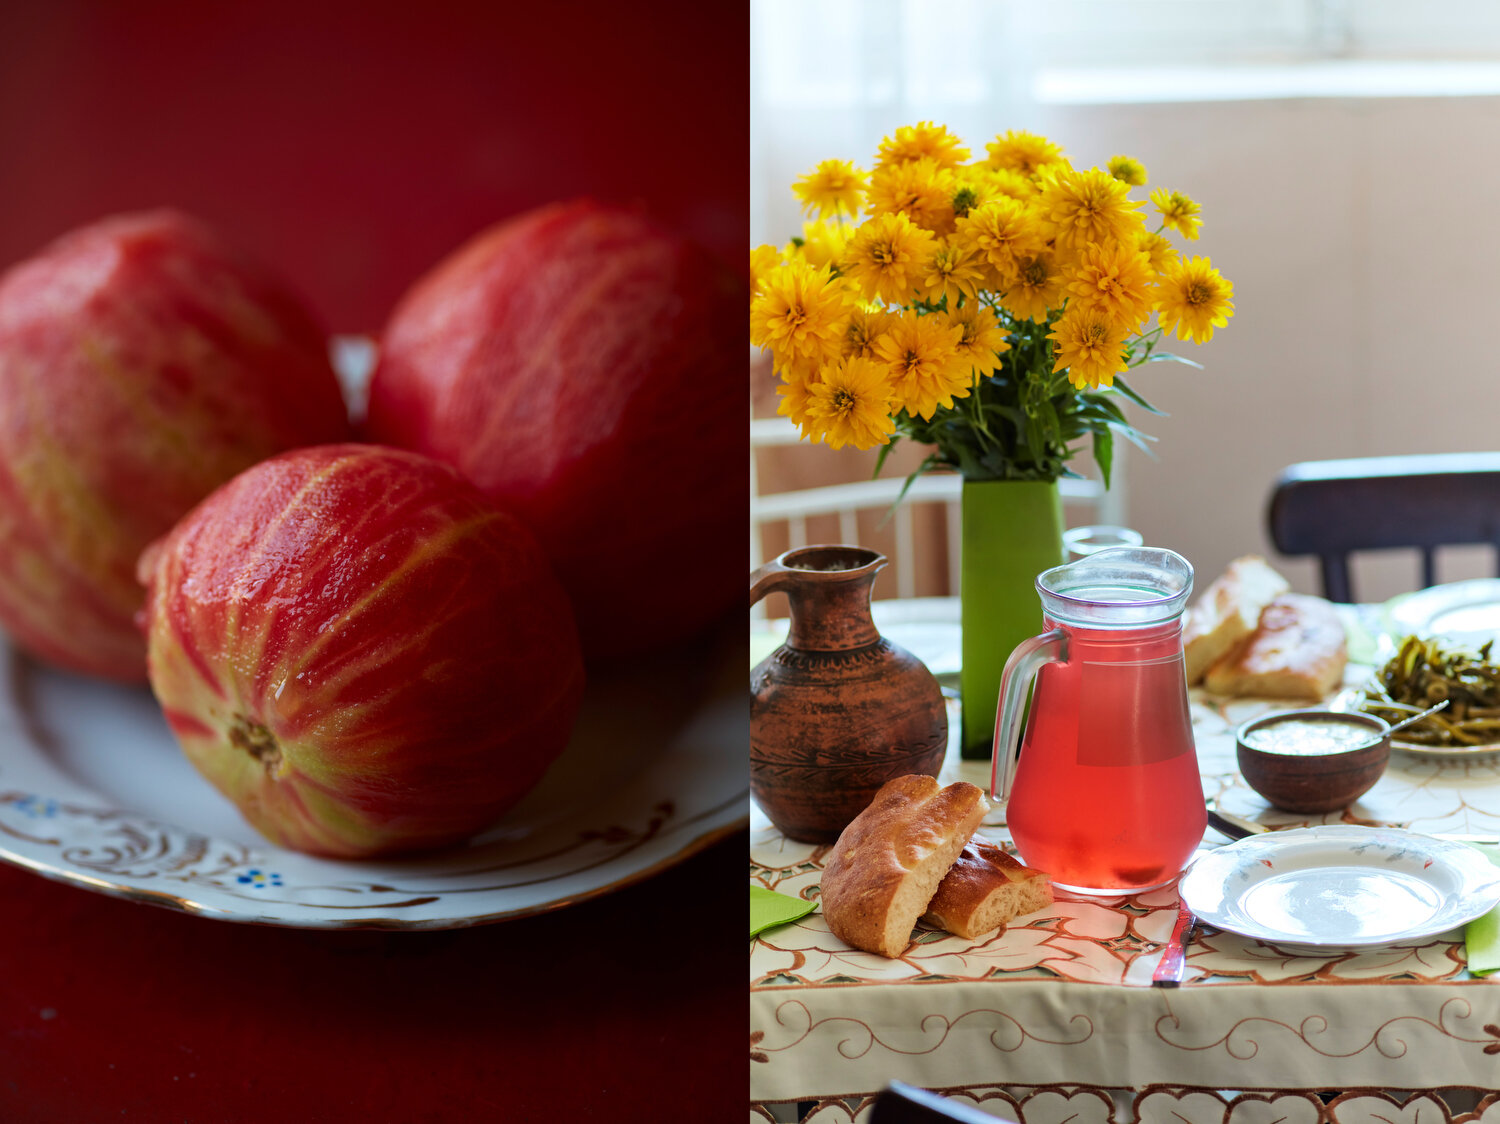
point(1106, 797)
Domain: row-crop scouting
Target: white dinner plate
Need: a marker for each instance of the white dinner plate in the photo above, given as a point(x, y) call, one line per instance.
point(1341, 886)
point(94, 791)
point(1466, 612)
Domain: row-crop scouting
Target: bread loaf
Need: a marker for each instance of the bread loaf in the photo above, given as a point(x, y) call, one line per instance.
point(888, 862)
point(1298, 651)
point(1228, 612)
point(984, 889)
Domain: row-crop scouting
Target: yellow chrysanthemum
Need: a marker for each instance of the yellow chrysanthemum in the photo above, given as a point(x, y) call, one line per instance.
point(852, 405)
point(922, 190)
point(1023, 152)
point(763, 259)
point(926, 368)
point(1178, 212)
point(1090, 346)
point(1159, 251)
point(834, 187)
point(1115, 281)
point(1127, 169)
point(799, 314)
point(977, 184)
point(952, 270)
point(823, 243)
point(1036, 289)
point(1013, 184)
point(971, 188)
point(886, 257)
point(1089, 206)
point(913, 142)
point(795, 394)
point(1002, 232)
point(866, 326)
point(1193, 297)
point(982, 339)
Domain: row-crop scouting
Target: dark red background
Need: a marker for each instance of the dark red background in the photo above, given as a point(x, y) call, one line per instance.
point(351, 146)
point(629, 1007)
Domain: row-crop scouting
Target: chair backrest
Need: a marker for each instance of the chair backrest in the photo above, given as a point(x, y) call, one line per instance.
point(899, 1103)
point(1335, 508)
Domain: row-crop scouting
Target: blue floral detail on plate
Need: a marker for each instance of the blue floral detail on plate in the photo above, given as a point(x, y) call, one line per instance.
point(35, 807)
point(259, 879)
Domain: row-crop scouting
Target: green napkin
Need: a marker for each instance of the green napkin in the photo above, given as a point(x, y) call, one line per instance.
point(1363, 645)
point(768, 909)
point(1482, 936)
point(765, 638)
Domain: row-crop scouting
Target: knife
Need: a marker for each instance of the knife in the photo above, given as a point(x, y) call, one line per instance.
point(1232, 826)
point(1174, 960)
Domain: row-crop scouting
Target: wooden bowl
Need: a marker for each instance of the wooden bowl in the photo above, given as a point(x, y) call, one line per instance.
point(1304, 780)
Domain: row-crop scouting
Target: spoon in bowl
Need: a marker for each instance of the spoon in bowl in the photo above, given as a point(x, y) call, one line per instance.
point(1407, 721)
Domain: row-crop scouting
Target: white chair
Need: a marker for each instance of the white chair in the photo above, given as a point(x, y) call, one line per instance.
point(1085, 501)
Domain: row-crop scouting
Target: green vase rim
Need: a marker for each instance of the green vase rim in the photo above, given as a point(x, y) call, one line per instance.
point(1002, 480)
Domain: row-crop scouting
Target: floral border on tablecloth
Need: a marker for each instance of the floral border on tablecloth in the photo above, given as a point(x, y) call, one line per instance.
point(1171, 1104)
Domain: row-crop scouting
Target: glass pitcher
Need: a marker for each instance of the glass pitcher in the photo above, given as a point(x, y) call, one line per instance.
point(1105, 796)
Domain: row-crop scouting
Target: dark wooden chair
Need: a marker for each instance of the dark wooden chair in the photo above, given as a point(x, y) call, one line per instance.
point(899, 1103)
point(1335, 508)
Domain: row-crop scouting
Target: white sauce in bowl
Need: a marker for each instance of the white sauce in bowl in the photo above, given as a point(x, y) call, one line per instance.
point(1310, 737)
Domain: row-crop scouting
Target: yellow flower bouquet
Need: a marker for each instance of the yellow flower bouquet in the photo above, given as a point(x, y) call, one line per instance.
point(987, 308)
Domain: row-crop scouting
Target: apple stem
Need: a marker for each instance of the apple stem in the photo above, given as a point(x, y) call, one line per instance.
point(259, 743)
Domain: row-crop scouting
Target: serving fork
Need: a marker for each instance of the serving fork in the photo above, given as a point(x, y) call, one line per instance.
point(1174, 959)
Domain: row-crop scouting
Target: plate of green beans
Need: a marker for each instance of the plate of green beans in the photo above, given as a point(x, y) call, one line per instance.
point(1423, 672)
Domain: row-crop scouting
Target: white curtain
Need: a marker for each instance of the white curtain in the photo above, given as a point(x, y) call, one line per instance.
point(830, 78)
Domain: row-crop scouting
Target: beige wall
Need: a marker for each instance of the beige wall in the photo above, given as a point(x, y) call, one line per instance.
point(1363, 240)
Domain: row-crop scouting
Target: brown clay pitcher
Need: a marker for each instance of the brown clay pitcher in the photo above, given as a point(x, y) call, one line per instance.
point(837, 710)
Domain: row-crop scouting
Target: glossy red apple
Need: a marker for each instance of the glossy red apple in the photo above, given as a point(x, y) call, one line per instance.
point(586, 369)
point(361, 651)
point(142, 364)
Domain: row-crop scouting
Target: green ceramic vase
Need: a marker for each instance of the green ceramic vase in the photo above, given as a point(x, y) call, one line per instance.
point(1012, 531)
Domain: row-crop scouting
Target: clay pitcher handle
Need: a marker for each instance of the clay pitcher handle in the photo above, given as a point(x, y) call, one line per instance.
point(768, 579)
point(1020, 669)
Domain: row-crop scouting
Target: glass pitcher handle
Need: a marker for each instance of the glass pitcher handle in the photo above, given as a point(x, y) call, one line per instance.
point(1020, 669)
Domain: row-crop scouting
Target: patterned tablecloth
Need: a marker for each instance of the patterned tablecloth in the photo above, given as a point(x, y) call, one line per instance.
point(1054, 1018)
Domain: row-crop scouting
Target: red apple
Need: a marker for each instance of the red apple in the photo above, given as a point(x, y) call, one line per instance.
point(587, 370)
point(142, 364)
point(361, 651)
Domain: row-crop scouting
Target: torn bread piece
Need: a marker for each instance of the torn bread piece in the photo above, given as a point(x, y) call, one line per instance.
point(984, 889)
point(1298, 651)
point(888, 862)
point(1228, 612)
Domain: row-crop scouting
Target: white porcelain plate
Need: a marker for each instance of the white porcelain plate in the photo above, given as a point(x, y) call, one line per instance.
point(1341, 886)
point(1466, 612)
point(94, 791)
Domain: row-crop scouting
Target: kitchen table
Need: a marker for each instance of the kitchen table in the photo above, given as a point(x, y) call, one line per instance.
point(1054, 1018)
